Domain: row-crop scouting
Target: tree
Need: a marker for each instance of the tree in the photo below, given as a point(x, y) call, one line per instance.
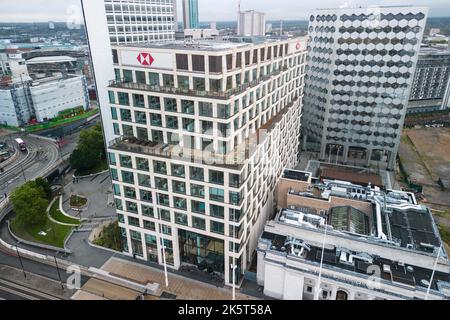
point(90, 150)
point(30, 204)
point(44, 186)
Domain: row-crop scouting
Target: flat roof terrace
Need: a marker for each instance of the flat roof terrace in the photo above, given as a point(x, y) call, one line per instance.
point(403, 274)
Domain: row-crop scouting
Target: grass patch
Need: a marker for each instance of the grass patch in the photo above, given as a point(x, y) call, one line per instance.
point(77, 201)
point(56, 214)
point(60, 121)
point(55, 233)
point(102, 166)
point(110, 237)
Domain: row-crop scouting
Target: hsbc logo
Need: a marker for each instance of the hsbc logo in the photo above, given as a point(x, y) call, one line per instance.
point(145, 59)
point(298, 46)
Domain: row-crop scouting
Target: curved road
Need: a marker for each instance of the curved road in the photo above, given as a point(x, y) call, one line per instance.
point(41, 154)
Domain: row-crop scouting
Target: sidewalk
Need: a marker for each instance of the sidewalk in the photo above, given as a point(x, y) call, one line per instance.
point(183, 288)
point(98, 190)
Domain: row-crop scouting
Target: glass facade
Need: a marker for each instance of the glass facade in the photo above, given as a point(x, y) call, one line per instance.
point(204, 252)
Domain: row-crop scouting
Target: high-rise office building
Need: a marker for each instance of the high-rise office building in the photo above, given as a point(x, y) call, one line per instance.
point(251, 23)
point(431, 85)
point(122, 22)
point(203, 133)
point(360, 71)
point(190, 14)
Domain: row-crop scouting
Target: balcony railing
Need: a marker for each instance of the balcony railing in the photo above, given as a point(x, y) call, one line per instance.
point(210, 94)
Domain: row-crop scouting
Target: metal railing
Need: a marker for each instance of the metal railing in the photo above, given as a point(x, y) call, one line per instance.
point(212, 94)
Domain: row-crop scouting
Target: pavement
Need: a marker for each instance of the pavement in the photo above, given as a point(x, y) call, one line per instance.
point(183, 288)
point(98, 191)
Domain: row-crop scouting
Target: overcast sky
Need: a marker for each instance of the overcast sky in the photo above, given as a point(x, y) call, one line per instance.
point(210, 10)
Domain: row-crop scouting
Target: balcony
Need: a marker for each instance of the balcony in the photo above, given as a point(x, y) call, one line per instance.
point(195, 93)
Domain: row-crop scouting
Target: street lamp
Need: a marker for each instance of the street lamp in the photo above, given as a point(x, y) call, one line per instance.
point(162, 242)
point(317, 289)
point(21, 263)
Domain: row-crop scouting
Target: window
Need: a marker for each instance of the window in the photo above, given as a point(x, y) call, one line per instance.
point(207, 128)
point(147, 211)
point(235, 198)
point(217, 227)
point(124, 98)
point(239, 60)
point(216, 194)
point(142, 134)
point(235, 180)
point(216, 211)
point(223, 111)
point(180, 203)
point(112, 98)
point(155, 119)
point(187, 107)
point(160, 167)
point(229, 62)
point(140, 77)
point(112, 158)
point(205, 109)
point(142, 164)
point(161, 184)
point(198, 207)
point(215, 64)
point(154, 103)
point(134, 222)
point(163, 200)
point(181, 218)
point(170, 105)
point(121, 218)
point(216, 177)
point(146, 196)
point(189, 125)
point(128, 177)
point(149, 225)
point(183, 82)
point(127, 76)
point(153, 79)
point(198, 223)
point(179, 187)
point(182, 61)
point(125, 161)
point(165, 215)
point(198, 63)
point(119, 204)
point(125, 115)
point(168, 80)
point(199, 84)
point(166, 230)
point(215, 85)
point(114, 113)
point(116, 189)
point(144, 180)
point(140, 117)
point(197, 174)
point(178, 170)
point(115, 56)
point(131, 207)
point(197, 191)
point(172, 122)
point(247, 58)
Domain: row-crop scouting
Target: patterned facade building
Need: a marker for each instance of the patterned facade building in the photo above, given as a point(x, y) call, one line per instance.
point(360, 72)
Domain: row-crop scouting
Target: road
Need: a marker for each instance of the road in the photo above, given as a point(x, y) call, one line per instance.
point(41, 154)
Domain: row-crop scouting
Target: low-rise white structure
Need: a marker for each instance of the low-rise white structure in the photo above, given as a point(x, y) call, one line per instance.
point(41, 100)
point(340, 241)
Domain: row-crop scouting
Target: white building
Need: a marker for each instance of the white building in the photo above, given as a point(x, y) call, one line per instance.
point(123, 21)
point(360, 71)
point(137, 21)
point(340, 241)
point(251, 23)
point(42, 100)
point(203, 133)
point(13, 65)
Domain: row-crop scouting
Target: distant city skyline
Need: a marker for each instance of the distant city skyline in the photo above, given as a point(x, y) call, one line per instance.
point(62, 10)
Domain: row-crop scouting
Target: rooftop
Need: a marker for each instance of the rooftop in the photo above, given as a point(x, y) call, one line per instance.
point(351, 261)
point(207, 45)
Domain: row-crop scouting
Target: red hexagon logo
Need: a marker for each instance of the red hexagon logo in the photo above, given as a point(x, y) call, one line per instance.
point(145, 59)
